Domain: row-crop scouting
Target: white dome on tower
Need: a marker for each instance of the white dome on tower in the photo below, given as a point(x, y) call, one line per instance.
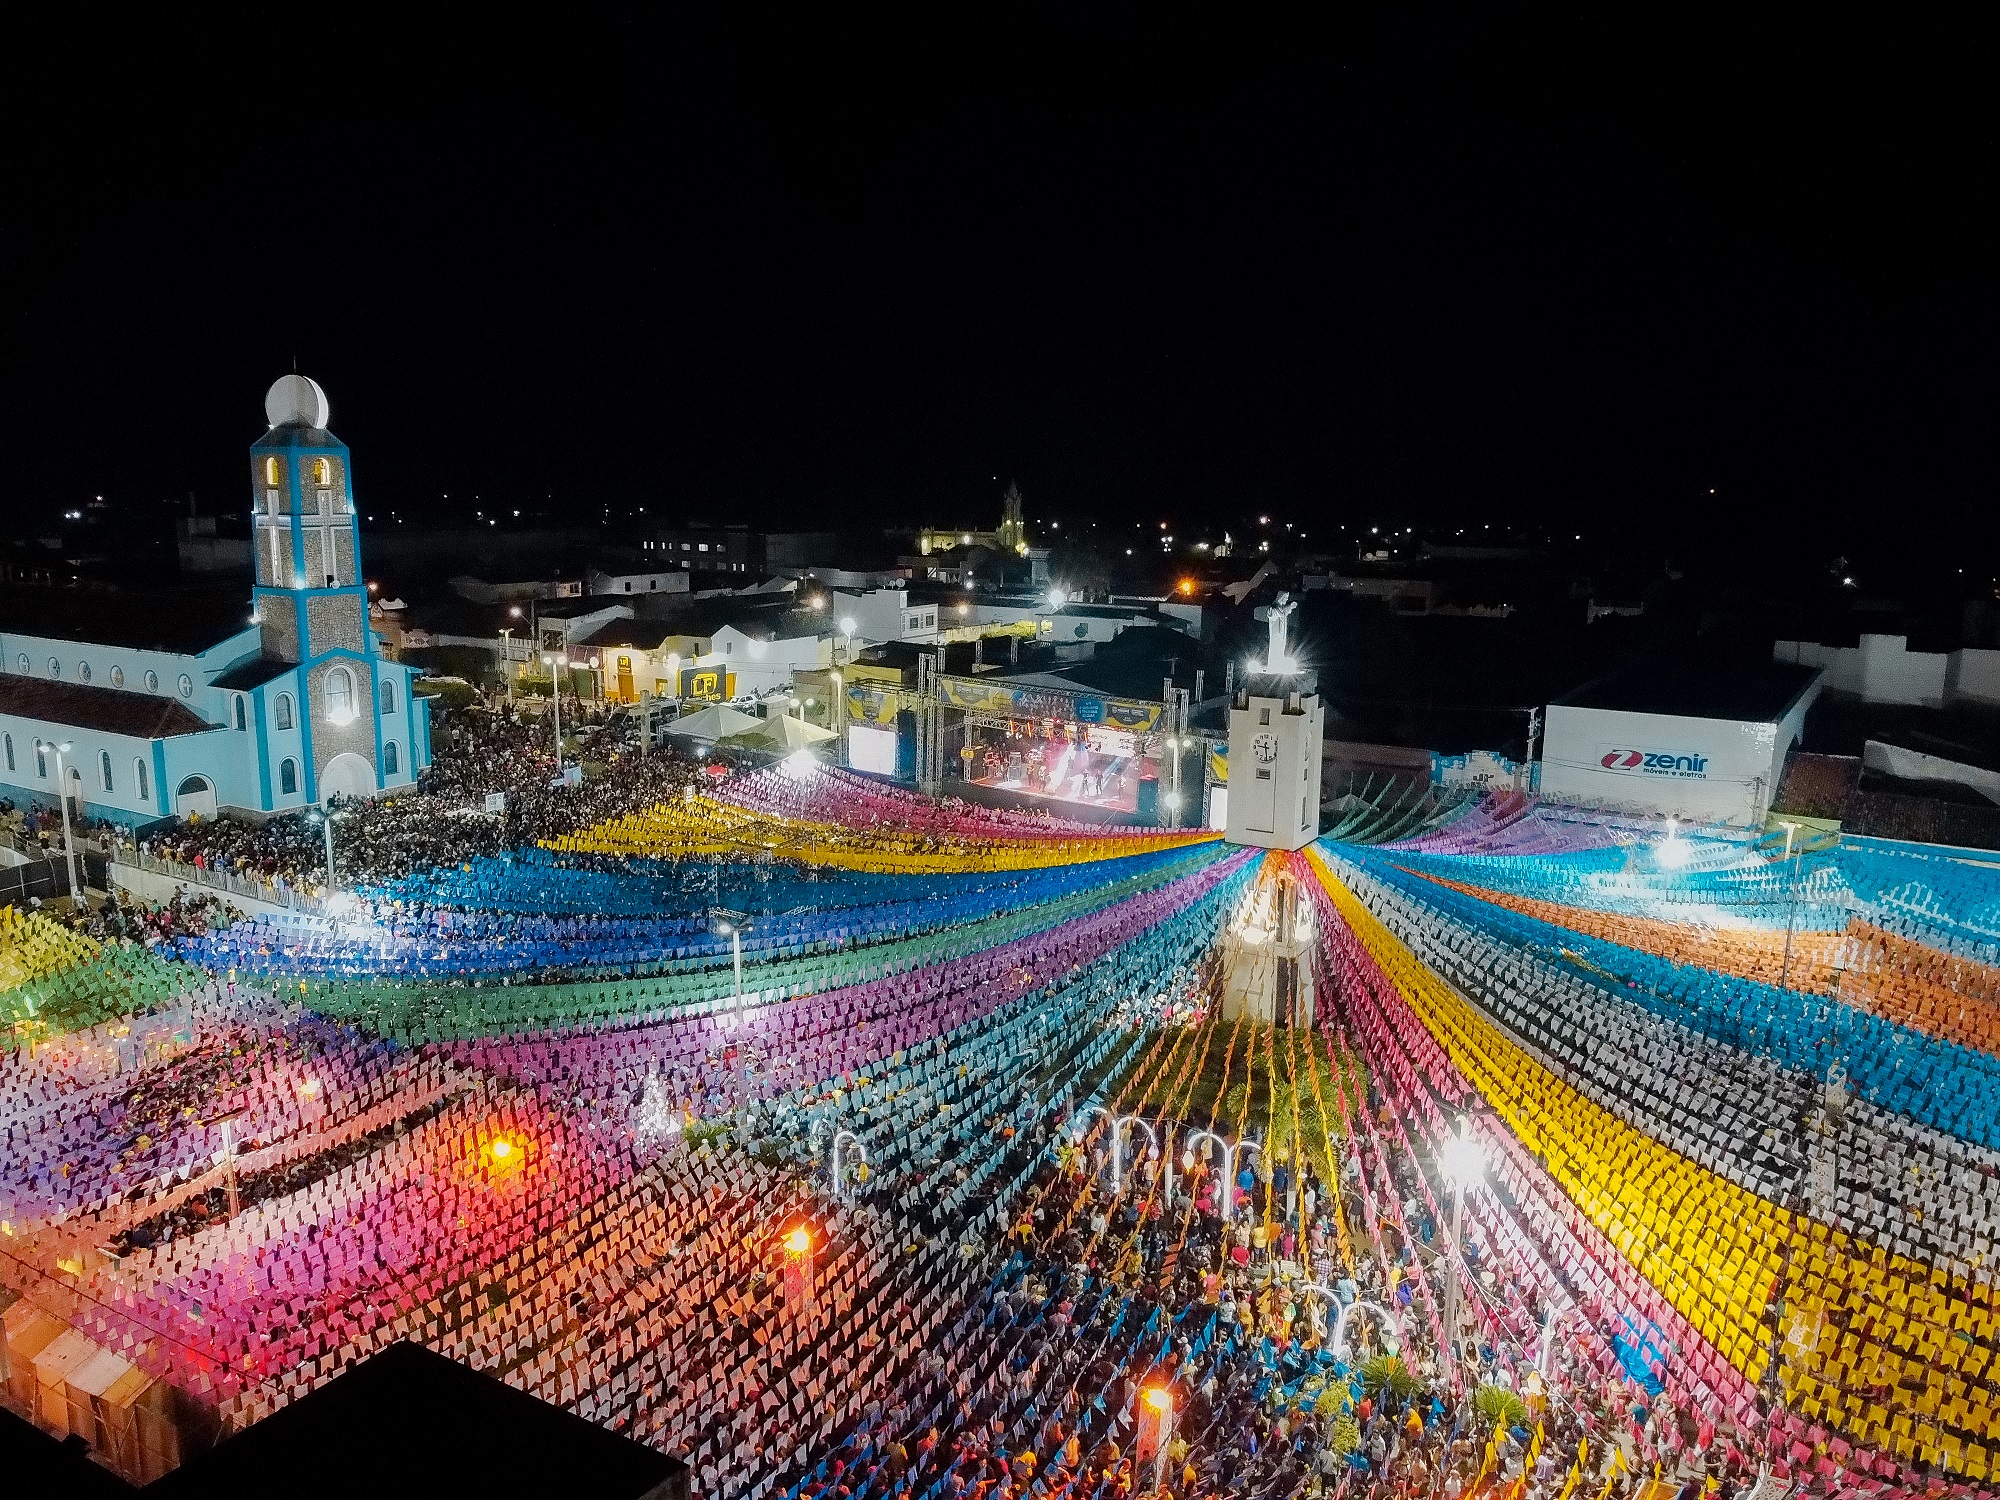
point(296, 401)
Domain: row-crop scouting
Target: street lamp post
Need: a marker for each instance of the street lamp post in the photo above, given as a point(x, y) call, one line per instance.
point(507, 662)
point(555, 686)
point(326, 823)
point(1229, 1155)
point(1161, 1400)
point(836, 719)
point(1792, 907)
point(61, 749)
point(1119, 1124)
point(1463, 1167)
point(730, 924)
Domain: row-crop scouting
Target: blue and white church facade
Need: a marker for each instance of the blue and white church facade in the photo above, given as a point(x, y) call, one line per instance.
point(297, 706)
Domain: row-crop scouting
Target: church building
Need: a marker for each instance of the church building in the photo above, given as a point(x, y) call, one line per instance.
point(295, 706)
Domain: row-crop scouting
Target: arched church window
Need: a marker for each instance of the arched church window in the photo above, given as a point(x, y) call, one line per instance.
point(273, 475)
point(340, 695)
point(10, 750)
point(288, 777)
point(140, 781)
point(389, 757)
point(241, 717)
point(104, 768)
point(322, 471)
point(284, 711)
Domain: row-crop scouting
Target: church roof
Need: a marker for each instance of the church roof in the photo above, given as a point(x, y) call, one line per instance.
point(253, 673)
point(182, 621)
point(142, 716)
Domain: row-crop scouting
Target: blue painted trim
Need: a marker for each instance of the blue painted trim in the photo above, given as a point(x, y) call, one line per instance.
point(263, 750)
point(164, 807)
point(375, 712)
point(308, 775)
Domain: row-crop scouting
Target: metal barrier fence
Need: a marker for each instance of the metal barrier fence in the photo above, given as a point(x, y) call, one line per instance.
point(219, 880)
point(36, 878)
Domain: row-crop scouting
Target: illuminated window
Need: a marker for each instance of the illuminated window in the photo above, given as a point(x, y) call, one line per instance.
point(288, 777)
point(284, 711)
point(340, 695)
point(273, 475)
point(322, 471)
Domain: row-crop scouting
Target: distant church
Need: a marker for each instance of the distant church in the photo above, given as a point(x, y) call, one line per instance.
point(295, 706)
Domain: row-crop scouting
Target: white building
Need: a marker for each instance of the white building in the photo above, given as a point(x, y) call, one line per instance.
point(671, 581)
point(1883, 669)
point(1703, 743)
point(883, 615)
point(762, 656)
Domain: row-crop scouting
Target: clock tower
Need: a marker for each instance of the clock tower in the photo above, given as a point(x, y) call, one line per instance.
point(1275, 729)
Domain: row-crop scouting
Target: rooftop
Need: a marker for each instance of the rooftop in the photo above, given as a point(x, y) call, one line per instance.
point(184, 621)
point(143, 716)
point(1759, 692)
point(253, 673)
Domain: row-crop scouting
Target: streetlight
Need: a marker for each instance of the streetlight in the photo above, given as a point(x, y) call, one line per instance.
point(799, 1270)
point(1229, 1154)
point(555, 685)
point(507, 653)
point(1792, 909)
point(1119, 1124)
point(326, 817)
point(1464, 1163)
point(61, 749)
point(1160, 1401)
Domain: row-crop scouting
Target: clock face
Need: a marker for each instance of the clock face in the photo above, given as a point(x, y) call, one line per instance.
point(1265, 746)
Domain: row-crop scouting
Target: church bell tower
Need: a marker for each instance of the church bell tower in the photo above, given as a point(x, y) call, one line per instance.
point(310, 600)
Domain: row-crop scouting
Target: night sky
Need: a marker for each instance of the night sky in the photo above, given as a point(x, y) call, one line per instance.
point(1436, 268)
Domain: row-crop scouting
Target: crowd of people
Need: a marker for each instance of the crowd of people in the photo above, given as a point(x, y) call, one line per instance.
point(1018, 1306)
point(476, 752)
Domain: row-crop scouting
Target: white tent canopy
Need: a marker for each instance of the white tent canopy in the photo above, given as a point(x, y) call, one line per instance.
point(718, 721)
point(793, 733)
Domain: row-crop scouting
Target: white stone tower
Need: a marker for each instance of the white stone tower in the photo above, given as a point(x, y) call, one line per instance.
point(1275, 730)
